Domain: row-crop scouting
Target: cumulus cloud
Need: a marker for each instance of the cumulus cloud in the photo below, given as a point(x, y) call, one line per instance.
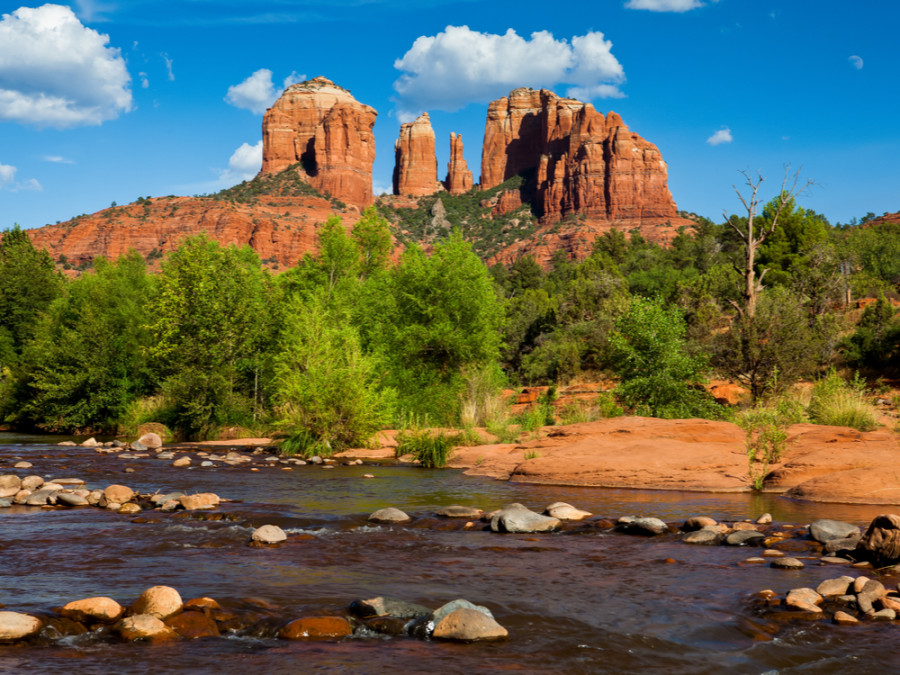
point(459, 66)
point(258, 92)
point(56, 72)
point(664, 5)
point(244, 164)
point(8, 180)
point(723, 135)
point(856, 62)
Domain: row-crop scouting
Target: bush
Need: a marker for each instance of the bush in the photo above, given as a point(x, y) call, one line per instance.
point(842, 404)
point(603, 407)
point(481, 400)
point(429, 449)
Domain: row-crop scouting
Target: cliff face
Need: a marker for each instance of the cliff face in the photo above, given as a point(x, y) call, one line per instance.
point(577, 161)
point(321, 126)
point(415, 166)
point(279, 229)
point(459, 178)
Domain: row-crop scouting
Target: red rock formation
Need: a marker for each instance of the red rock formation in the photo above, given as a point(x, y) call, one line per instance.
point(459, 178)
point(580, 162)
point(321, 126)
point(279, 229)
point(415, 167)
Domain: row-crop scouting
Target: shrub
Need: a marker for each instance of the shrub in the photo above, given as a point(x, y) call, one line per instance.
point(839, 403)
point(766, 429)
point(603, 407)
point(481, 401)
point(431, 450)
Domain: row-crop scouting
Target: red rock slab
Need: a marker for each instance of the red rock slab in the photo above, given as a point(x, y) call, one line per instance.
point(316, 628)
point(854, 486)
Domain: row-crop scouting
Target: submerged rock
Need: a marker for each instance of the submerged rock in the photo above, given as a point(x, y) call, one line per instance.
point(316, 627)
point(468, 625)
point(458, 511)
point(745, 538)
point(387, 606)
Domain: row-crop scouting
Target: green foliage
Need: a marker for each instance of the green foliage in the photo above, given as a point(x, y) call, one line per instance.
point(766, 440)
point(429, 319)
point(659, 377)
point(875, 345)
point(287, 183)
point(838, 403)
point(87, 361)
point(481, 398)
point(326, 387)
point(211, 319)
point(603, 407)
point(431, 450)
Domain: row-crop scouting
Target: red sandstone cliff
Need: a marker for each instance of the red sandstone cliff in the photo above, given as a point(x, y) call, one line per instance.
point(459, 178)
point(415, 166)
point(321, 126)
point(578, 161)
point(279, 229)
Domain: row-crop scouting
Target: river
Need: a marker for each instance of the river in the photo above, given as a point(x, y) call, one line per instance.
point(589, 601)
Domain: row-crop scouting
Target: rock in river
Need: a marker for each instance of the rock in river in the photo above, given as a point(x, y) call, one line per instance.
point(145, 627)
point(159, 601)
point(645, 526)
point(389, 515)
point(824, 530)
point(564, 511)
point(517, 518)
point(100, 609)
point(316, 627)
point(16, 626)
point(881, 542)
point(268, 534)
point(459, 512)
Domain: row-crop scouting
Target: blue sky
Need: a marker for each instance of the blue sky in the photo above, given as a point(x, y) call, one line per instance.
point(109, 100)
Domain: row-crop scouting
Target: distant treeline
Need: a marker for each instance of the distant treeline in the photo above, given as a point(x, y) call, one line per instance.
point(346, 343)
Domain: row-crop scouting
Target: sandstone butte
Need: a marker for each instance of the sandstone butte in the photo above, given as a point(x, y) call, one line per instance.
point(459, 178)
point(329, 133)
point(586, 174)
point(415, 162)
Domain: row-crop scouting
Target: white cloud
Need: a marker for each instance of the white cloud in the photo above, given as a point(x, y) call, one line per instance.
point(145, 81)
point(8, 180)
point(57, 159)
point(169, 72)
point(460, 66)
point(723, 135)
point(856, 61)
point(93, 11)
point(664, 5)
point(244, 164)
point(56, 72)
point(257, 92)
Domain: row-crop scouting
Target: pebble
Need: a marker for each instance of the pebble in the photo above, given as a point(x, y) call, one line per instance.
point(182, 461)
point(844, 619)
point(368, 475)
point(389, 515)
point(834, 560)
point(764, 519)
point(773, 553)
point(207, 463)
point(23, 465)
point(755, 560)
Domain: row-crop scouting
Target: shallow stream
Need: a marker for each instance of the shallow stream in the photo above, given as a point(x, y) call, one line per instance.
point(591, 602)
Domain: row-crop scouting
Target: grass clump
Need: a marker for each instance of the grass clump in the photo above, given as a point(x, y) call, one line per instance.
point(603, 407)
point(431, 450)
point(766, 427)
point(836, 402)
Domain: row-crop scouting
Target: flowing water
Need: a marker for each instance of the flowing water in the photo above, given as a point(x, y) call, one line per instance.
point(574, 602)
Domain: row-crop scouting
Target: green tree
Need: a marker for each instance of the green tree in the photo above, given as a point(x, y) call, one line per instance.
point(875, 345)
point(326, 389)
point(87, 361)
point(210, 322)
point(659, 377)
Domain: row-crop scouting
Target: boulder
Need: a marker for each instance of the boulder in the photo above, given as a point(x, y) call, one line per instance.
point(825, 530)
point(516, 518)
point(129, 509)
point(745, 538)
point(698, 523)
point(118, 494)
point(454, 605)
point(268, 534)
point(99, 609)
point(881, 541)
point(316, 628)
point(644, 526)
point(834, 587)
point(563, 511)
point(389, 515)
point(144, 627)
point(201, 500)
point(843, 619)
point(10, 484)
point(71, 499)
point(787, 564)
point(90, 443)
point(150, 441)
point(23, 465)
point(468, 625)
point(159, 601)
point(16, 626)
point(182, 461)
point(848, 544)
point(706, 535)
point(39, 497)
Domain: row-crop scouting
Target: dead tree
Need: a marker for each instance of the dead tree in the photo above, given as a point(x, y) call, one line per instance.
point(790, 188)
